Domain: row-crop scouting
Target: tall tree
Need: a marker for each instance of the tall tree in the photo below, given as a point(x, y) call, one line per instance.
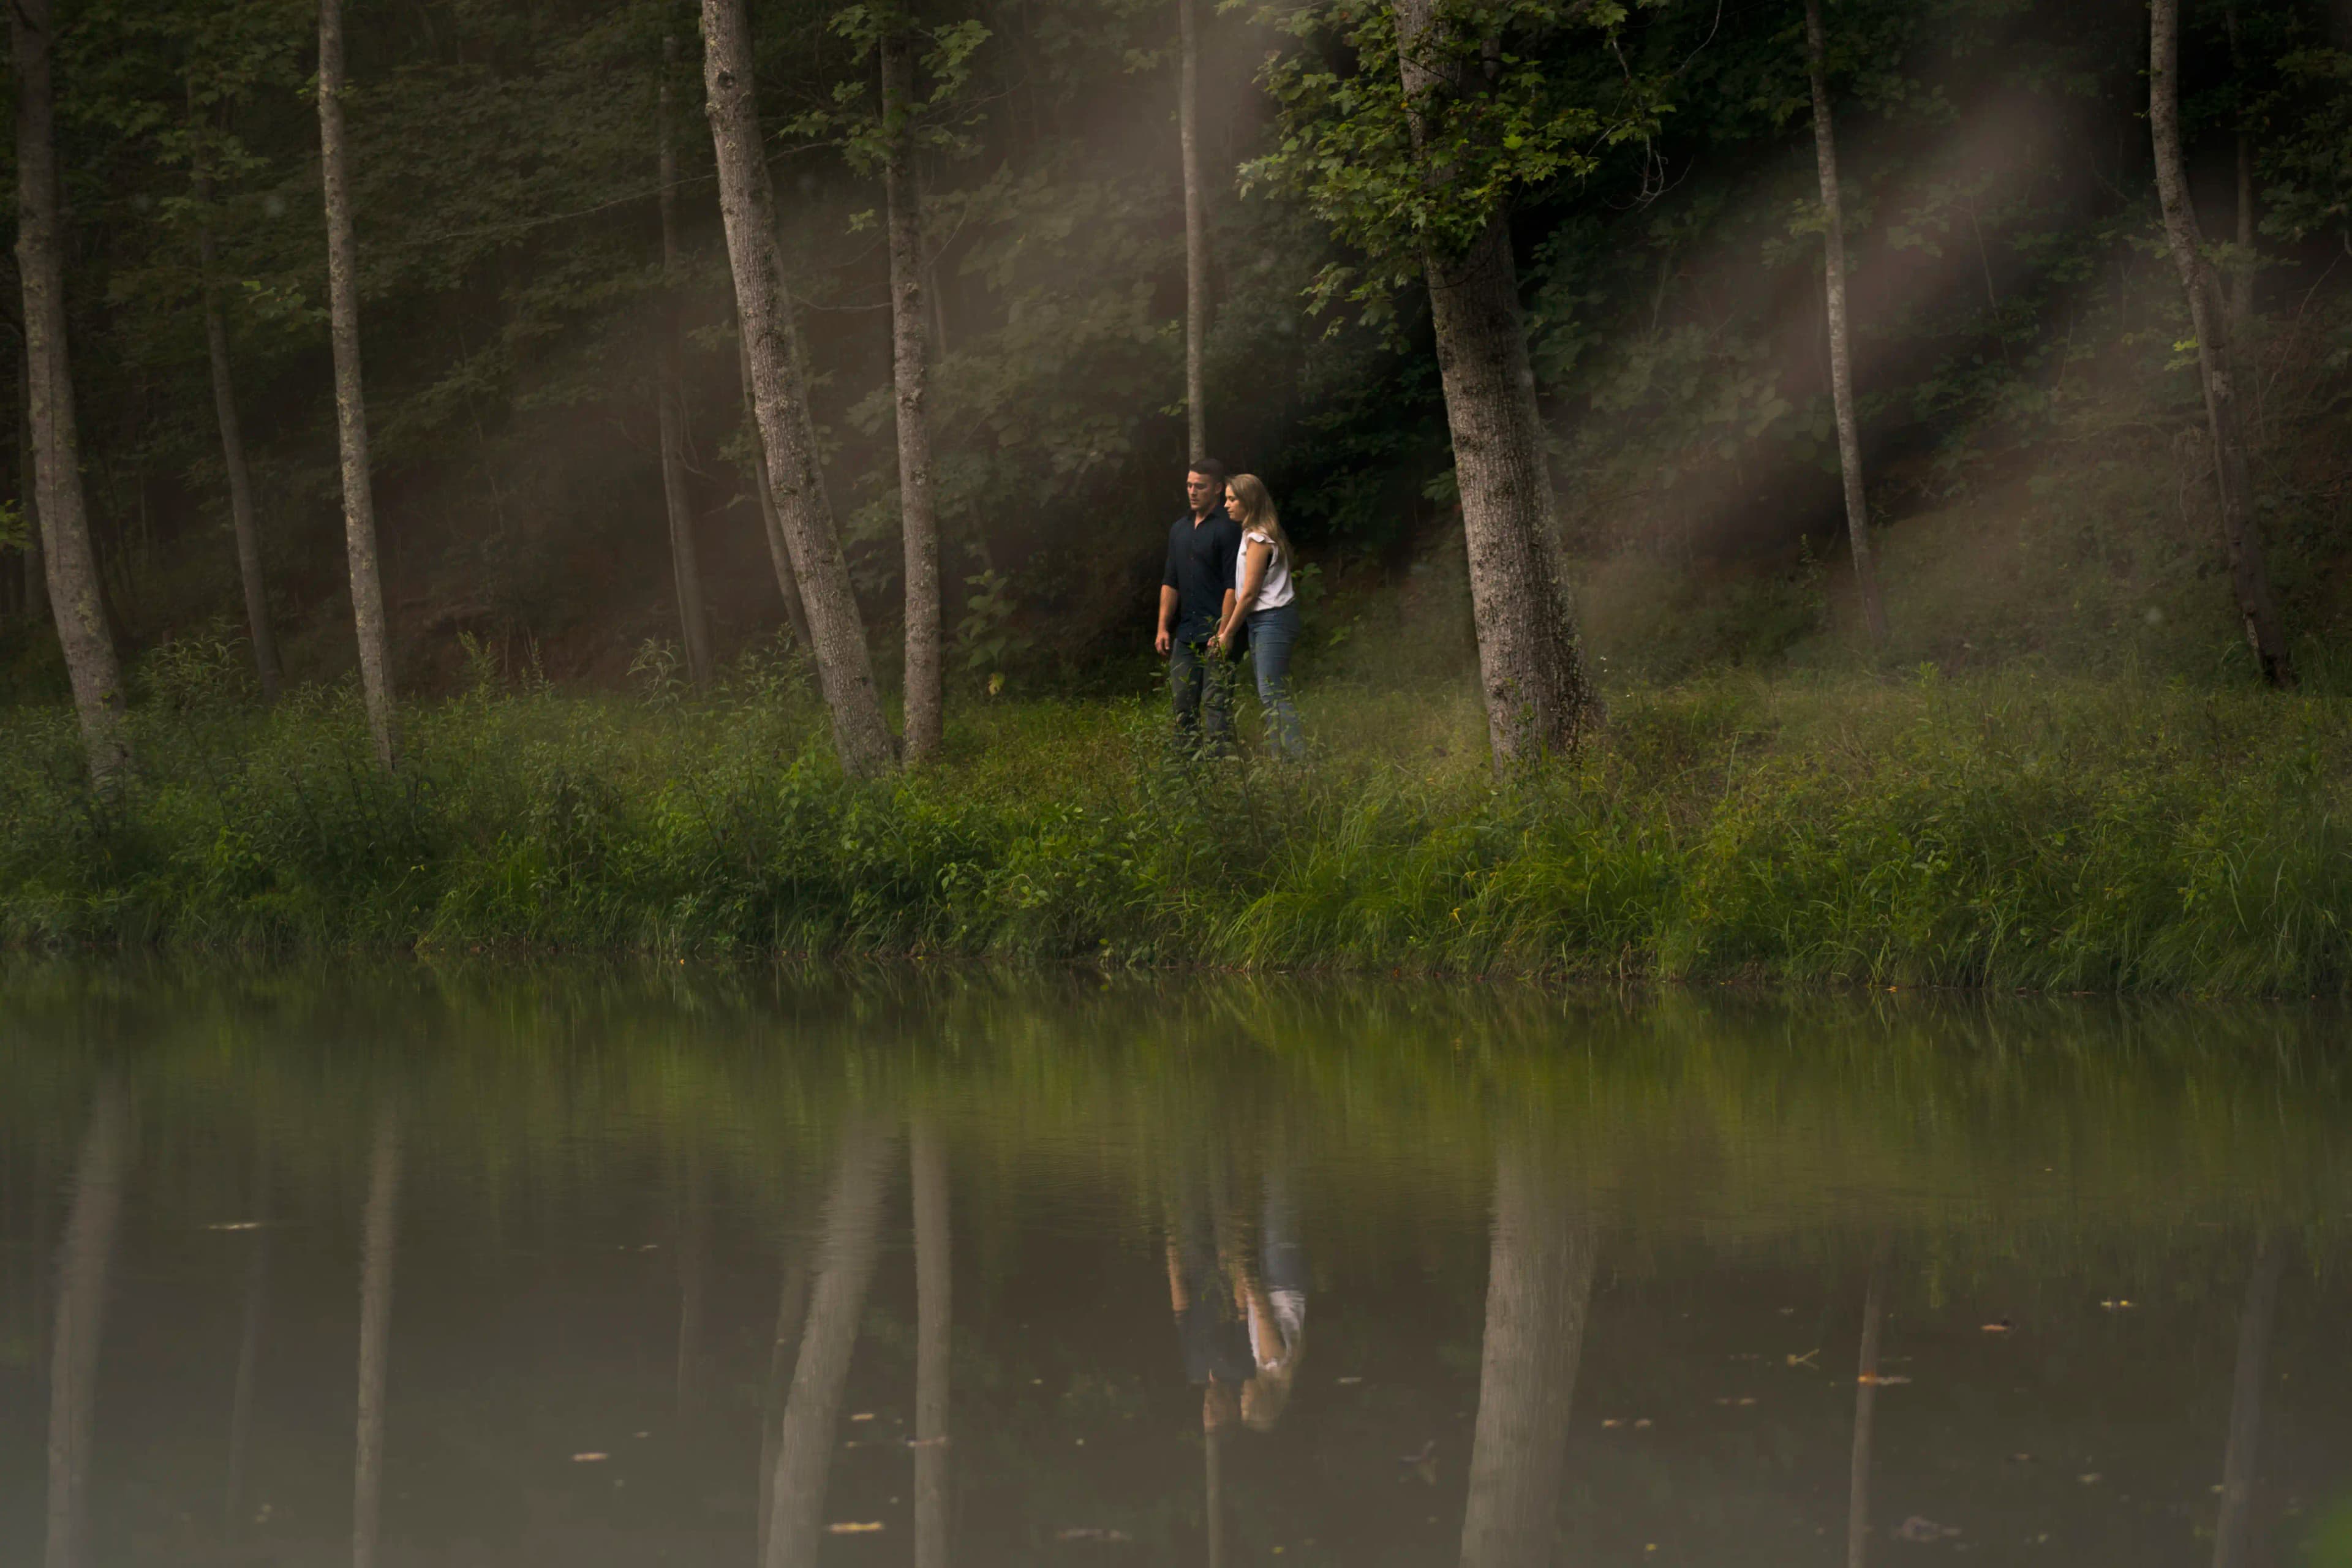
point(910, 373)
point(81, 1315)
point(1196, 232)
point(805, 1439)
point(669, 392)
point(37, 573)
point(933, 1335)
point(771, 522)
point(1538, 699)
point(1849, 425)
point(69, 560)
point(2242, 272)
point(378, 1235)
point(247, 532)
point(2209, 319)
point(861, 735)
point(350, 397)
point(1539, 1282)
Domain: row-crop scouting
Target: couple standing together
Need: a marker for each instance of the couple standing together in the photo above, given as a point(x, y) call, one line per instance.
point(1227, 588)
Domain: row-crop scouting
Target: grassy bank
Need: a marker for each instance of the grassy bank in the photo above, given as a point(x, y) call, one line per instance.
point(2007, 831)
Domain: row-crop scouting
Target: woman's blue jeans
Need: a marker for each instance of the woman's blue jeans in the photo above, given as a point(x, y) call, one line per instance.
point(1272, 635)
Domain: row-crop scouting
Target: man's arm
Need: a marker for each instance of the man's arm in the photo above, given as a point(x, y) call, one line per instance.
point(1167, 639)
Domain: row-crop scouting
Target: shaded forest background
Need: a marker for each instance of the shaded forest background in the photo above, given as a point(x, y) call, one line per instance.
point(2032, 414)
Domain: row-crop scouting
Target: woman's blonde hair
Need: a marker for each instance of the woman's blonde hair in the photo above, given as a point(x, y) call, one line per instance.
point(1259, 515)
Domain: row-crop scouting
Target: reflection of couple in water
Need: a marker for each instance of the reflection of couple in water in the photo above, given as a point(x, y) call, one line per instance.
point(1240, 1312)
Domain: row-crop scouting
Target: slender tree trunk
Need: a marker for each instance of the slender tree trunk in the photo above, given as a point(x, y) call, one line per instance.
point(747, 204)
point(1540, 1281)
point(2242, 275)
point(1866, 1403)
point(1538, 699)
point(36, 574)
point(247, 531)
point(248, 1360)
point(2233, 1531)
point(71, 562)
point(686, 570)
point(933, 1318)
point(2209, 319)
point(375, 1333)
point(1196, 235)
point(1849, 425)
point(805, 1438)
point(788, 583)
point(81, 1315)
point(911, 373)
point(351, 399)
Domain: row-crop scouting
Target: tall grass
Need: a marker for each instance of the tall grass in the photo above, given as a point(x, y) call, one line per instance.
point(2008, 831)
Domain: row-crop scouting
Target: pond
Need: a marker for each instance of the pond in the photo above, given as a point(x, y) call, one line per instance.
point(581, 1264)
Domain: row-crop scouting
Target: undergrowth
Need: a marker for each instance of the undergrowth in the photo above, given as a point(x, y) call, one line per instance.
point(2006, 831)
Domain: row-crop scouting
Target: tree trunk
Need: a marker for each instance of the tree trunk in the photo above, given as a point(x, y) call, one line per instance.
point(788, 583)
point(2233, 1530)
point(1866, 1403)
point(747, 204)
point(1849, 426)
point(1196, 236)
point(933, 1259)
point(71, 562)
point(1539, 1279)
point(805, 1438)
point(81, 1313)
point(1539, 700)
point(247, 531)
point(2242, 275)
point(350, 400)
point(375, 1330)
point(36, 574)
point(669, 392)
point(911, 373)
point(2209, 319)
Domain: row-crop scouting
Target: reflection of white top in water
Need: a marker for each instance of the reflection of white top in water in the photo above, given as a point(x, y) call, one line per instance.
point(1274, 1351)
point(1274, 592)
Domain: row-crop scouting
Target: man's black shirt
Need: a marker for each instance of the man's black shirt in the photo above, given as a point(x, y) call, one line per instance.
point(1201, 569)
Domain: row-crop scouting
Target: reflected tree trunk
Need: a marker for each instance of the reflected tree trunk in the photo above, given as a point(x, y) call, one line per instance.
point(1849, 423)
point(933, 1257)
point(1213, 1461)
point(1539, 1281)
point(669, 394)
point(1866, 1404)
point(2234, 1530)
point(375, 1329)
point(351, 398)
point(248, 1357)
point(81, 1312)
point(792, 1310)
point(846, 1252)
point(693, 1273)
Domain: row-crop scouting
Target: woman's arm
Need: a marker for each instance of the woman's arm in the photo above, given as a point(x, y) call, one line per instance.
point(1261, 556)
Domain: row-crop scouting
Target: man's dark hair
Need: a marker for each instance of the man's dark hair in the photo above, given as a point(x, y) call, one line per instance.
point(1208, 467)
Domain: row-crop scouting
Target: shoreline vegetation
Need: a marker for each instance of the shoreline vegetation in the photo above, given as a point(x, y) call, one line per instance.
point(2008, 830)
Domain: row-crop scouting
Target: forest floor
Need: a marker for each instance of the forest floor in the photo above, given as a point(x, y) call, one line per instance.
point(2009, 829)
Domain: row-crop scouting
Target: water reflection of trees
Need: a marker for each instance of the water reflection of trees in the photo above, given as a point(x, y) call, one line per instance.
point(377, 1235)
point(88, 1254)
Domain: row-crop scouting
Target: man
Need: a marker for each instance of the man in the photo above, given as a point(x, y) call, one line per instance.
point(1195, 592)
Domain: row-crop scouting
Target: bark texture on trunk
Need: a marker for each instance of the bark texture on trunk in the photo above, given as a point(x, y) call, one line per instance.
point(67, 558)
point(375, 1336)
point(2233, 1531)
point(1849, 423)
point(805, 1438)
point(747, 202)
point(1530, 668)
point(80, 1321)
point(933, 1332)
point(351, 398)
point(1866, 1408)
point(669, 392)
point(1196, 235)
point(911, 368)
point(2209, 318)
point(37, 572)
point(1539, 1281)
point(788, 583)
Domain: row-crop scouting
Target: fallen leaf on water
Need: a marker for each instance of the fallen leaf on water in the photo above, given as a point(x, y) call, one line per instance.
point(2120, 1304)
point(863, 1416)
point(1917, 1529)
point(236, 1225)
point(1090, 1533)
point(848, 1529)
point(1642, 1422)
point(1744, 1399)
point(2000, 1326)
point(1881, 1379)
point(1612, 1421)
point(2089, 1479)
point(1808, 1359)
point(590, 1459)
point(1350, 1382)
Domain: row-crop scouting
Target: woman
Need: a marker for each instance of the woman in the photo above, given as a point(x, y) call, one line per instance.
point(1264, 599)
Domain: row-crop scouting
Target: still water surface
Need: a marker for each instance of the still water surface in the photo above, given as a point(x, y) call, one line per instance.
point(590, 1266)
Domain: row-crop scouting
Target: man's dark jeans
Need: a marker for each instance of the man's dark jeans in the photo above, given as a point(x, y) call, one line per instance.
point(1201, 689)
